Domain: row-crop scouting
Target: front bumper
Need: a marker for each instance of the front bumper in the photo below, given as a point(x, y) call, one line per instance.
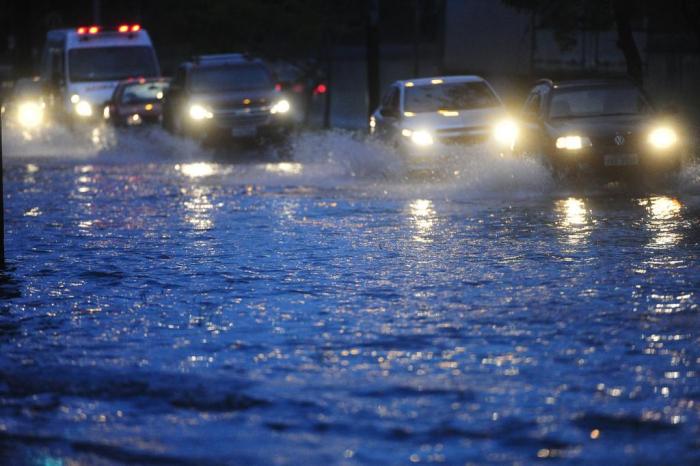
point(241, 126)
point(610, 161)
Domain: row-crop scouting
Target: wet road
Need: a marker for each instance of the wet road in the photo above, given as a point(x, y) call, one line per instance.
point(163, 309)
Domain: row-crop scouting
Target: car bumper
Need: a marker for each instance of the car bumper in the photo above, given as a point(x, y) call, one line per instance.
point(613, 162)
point(256, 126)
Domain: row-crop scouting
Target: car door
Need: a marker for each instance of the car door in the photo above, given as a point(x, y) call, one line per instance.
point(387, 117)
point(532, 139)
point(174, 103)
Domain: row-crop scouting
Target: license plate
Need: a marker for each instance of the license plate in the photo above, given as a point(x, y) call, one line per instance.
point(621, 160)
point(244, 131)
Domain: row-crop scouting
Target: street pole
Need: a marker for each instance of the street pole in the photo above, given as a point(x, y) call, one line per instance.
point(2, 205)
point(96, 11)
point(416, 39)
point(372, 54)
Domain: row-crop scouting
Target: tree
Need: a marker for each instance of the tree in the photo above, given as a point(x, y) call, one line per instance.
point(566, 18)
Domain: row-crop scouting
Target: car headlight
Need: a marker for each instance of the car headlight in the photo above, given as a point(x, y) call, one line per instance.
point(421, 138)
point(83, 109)
point(30, 114)
point(506, 133)
point(663, 137)
point(199, 112)
point(573, 142)
point(281, 106)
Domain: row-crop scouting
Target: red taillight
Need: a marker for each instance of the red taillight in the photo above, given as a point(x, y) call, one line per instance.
point(278, 87)
point(82, 30)
point(93, 30)
point(135, 27)
point(321, 89)
point(123, 28)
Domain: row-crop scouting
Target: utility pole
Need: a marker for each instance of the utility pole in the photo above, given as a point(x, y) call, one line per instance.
point(372, 54)
point(96, 11)
point(416, 38)
point(2, 205)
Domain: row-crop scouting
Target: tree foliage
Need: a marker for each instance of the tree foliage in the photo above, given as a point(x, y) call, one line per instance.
point(567, 18)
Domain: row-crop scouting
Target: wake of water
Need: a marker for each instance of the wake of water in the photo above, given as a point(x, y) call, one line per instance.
point(324, 160)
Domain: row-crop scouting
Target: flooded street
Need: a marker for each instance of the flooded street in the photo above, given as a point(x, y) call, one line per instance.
point(165, 306)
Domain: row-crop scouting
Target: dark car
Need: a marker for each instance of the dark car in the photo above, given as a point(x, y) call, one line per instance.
point(606, 127)
point(137, 101)
point(226, 96)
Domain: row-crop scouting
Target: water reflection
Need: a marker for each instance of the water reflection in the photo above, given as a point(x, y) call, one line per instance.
point(574, 219)
point(199, 208)
point(423, 218)
point(664, 215)
point(31, 171)
point(287, 168)
point(197, 170)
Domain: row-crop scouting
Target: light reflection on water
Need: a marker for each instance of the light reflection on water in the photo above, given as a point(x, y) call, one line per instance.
point(177, 311)
point(423, 219)
point(574, 219)
point(197, 169)
point(664, 218)
point(199, 208)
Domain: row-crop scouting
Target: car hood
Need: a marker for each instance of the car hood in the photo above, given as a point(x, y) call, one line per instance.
point(237, 99)
point(466, 119)
point(601, 127)
point(96, 93)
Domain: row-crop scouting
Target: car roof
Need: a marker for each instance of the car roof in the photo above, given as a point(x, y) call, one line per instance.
point(573, 83)
point(105, 38)
point(210, 61)
point(130, 81)
point(444, 79)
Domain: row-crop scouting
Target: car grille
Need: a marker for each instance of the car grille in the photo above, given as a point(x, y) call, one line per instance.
point(464, 135)
point(238, 118)
point(608, 144)
point(465, 139)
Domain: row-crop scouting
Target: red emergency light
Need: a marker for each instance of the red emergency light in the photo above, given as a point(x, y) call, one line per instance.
point(88, 30)
point(129, 28)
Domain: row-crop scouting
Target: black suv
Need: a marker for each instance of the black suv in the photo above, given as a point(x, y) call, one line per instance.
point(599, 126)
point(226, 96)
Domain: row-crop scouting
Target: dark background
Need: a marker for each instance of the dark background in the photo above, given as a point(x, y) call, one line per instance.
point(343, 31)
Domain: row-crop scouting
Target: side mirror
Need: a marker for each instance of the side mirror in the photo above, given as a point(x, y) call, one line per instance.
point(671, 109)
point(388, 113)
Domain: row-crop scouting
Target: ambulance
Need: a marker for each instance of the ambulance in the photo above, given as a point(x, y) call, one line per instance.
point(81, 67)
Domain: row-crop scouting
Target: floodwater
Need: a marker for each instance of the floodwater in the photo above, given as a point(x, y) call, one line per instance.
point(162, 306)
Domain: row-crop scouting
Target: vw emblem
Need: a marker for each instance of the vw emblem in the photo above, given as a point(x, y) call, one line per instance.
point(619, 139)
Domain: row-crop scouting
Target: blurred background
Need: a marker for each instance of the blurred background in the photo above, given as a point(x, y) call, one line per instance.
point(359, 47)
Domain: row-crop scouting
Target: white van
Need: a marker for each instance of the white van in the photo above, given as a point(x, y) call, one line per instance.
point(82, 67)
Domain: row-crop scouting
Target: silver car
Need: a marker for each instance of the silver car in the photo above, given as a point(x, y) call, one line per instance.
point(422, 116)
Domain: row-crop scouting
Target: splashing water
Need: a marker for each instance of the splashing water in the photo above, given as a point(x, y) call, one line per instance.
point(324, 160)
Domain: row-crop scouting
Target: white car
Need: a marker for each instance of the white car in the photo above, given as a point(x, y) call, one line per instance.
point(421, 116)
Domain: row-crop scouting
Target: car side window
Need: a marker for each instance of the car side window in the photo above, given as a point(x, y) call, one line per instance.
point(390, 103)
point(533, 104)
point(179, 80)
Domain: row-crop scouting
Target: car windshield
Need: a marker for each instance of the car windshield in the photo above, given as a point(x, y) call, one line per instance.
point(230, 78)
point(111, 63)
point(597, 101)
point(449, 96)
point(139, 93)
